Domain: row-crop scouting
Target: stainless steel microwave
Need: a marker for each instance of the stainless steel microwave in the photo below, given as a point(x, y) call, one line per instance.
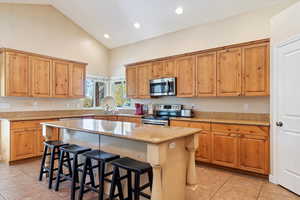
point(163, 87)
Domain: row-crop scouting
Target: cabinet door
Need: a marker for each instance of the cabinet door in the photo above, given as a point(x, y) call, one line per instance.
point(143, 77)
point(224, 150)
point(77, 80)
point(131, 82)
point(256, 70)
point(23, 143)
point(206, 70)
point(229, 71)
point(61, 78)
point(17, 74)
point(157, 70)
point(254, 153)
point(41, 77)
point(204, 150)
point(169, 68)
point(185, 67)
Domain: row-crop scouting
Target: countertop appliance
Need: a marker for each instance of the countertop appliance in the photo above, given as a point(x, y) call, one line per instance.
point(186, 113)
point(139, 109)
point(163, 87)
point(162, 113)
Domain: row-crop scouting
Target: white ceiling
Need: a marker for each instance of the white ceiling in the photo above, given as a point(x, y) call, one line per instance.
point(157, 17)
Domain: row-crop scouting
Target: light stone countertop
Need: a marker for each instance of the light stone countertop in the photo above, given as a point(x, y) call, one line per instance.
point(144, 133)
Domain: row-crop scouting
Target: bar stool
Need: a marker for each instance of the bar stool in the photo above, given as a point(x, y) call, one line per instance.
point(75, 151)
point(54, 155)
point(137, 168)
point(102, 158)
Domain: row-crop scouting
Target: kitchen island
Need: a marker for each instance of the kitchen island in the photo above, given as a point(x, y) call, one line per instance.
point(169, 150)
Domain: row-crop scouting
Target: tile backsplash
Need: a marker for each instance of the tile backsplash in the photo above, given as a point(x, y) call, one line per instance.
point(10, 104)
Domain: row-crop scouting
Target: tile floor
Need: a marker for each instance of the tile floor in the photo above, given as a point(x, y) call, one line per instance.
point(20, 182)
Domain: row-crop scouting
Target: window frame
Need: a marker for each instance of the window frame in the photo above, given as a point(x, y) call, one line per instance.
point(96, 79)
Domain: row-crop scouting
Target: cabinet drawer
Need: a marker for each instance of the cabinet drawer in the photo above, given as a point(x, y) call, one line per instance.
point(23, 124)
point(110, 118)
point(129, 119)
point(243, 129)
point(201, 125)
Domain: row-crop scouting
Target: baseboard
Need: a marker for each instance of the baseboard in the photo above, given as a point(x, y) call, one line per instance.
point(272, 179)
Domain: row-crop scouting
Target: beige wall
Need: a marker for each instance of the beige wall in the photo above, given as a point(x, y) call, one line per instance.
point(251, 26)
point(43, 29)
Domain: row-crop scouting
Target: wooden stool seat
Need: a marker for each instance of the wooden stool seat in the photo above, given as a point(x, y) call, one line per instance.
point(132, 165)
point(101, 156)
point(74, 149)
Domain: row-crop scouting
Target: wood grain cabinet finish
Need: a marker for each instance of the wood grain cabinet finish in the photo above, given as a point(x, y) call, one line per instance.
point(224, 149)
point(77, 80)
point(61, 78)
point(256, 70)
point(163, 69)
point(185, 68)
point(143, 78)
point(131, 82)
point(17, 74)
point(229, 72)
point(41, 77)
point(23, 143)
point(237, 146)
point(130, 119)
point(206, 74)
point(24, 74)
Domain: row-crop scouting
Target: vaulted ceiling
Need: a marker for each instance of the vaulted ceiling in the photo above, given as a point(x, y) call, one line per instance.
point(156, 17)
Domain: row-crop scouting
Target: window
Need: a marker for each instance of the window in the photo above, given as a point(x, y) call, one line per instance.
point(118, 91)
point(95, 91)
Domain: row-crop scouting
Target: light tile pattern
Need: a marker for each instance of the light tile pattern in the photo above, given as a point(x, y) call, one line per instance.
point(20, 182)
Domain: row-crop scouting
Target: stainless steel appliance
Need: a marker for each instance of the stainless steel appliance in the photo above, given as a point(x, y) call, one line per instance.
point(162, 113)
point(186, 113)
point(163, 87)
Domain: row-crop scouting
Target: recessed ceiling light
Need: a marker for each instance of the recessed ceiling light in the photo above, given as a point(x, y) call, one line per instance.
point(106, 36)
point(137, 25)
point(179, 10)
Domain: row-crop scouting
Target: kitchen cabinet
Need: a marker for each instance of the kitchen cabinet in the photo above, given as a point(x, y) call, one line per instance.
point(143, 78)
point(253, 153)
point(17, 74)
point(256, 70)
point(185, 68)
point(23, 143)
point(224, 149)
point(131, 82)
point(61, 78)
point(229, 72)
point(26, 74)
point(203, 152)
point(130, 119)
point(163, 69)
point(41, 79)
point(77, 80)
point(110, 118)
point(206, 74)
point(237, 146)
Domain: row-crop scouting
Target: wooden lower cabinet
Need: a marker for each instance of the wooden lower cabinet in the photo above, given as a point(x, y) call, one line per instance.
point(41, 139)
point(237, 146)
point(23, 143)
point(110, 118)
point(130, 119)
point(224, 149)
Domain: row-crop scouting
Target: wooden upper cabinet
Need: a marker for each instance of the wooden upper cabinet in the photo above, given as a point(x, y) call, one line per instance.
point(229, 72)
point(41, 77)
point(17, 74)
point(77, 80)
point(185, 68)
point(61, 78)
point(131, 82)
point(206, 74)
point(163, 69)
point(157, 69)
point(256, 70)
point(143, 78)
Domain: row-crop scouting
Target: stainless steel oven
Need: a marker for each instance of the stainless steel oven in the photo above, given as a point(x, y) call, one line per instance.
point(163, 87)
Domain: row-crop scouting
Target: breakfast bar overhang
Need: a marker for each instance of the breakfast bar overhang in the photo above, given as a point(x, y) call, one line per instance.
point(169, 150)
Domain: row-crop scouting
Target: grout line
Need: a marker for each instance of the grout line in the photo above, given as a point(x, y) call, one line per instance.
point(214, 194)
point(260, 190)
point(3, 197)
